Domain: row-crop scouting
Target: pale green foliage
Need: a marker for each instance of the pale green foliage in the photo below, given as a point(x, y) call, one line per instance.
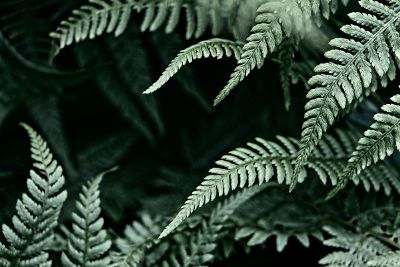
point(216, 48)
point(112, 16)
point(377, 143)
point(139, 236)
point(390, 259)
point(356, 249)
point(261, 160)
point(355, 63)
point(37, 211)
point(275, 21)
point(202, 244)
point(88, 244)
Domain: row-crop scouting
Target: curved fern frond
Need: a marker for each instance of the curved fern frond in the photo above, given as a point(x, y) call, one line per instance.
point(139, 236)
point(378, 142)
point(94, 19)
point(112, 16)
point(260, 161)
point(88, 244)
point(37, 211)
point(354, 64)
point(216, 48)
point(275, 21)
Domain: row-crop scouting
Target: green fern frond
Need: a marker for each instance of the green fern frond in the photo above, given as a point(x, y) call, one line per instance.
point(203, 243)
point(216, 48)
point(275, 21)
point(378, 142)
point(356, 249)
point(260, 161)
point(88, 244)
point(354, 64)
point(37, 211)
point(139, 236)
point(390, 259)
point(94, 19)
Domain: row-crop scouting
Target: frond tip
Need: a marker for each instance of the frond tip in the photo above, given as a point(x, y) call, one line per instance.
point(216, 48)
point(88, 244)
point(37, 211)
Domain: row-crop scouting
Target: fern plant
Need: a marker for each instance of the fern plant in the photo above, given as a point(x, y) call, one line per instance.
point(88, 244)
point(37, 211)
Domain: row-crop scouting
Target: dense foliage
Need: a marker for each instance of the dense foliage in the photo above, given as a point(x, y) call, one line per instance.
point(135, 164)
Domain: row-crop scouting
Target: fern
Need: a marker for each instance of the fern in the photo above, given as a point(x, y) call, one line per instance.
point(357, 249)
point(139, 236)
point(203, 243)
point(389, 259)
point(88, 244)
point(243, 167)
point(112, 16)
point(377, 143)
point(216, 48)
point(275, 21)
point(354, 64)
point(37, 212)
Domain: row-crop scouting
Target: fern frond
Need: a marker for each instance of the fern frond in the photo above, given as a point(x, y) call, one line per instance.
point(37, 211)
point(203, 243)
point(260, 161)
point(378, 142)
point(88, 244)
point(275, 21)
point(139, 236)
point(94, 19)
point(390, 259)
point(356, 249)
point(216, 48)
point(354, 64)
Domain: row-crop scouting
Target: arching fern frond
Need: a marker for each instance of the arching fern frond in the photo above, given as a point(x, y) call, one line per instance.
point(94, 19)
point(112, 16)
point(354, 64)
point(275, 21)
point(216, 48)
point(378, 142)
point(37, 211)
point(389, 259)
point(260, 161)
point(88, 244)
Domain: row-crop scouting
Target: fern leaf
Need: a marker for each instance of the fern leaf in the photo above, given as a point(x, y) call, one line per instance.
point(94, 19)
point(357, 250)
point(390, 259)
point(88, 244)
point(216, 48)
point(260, 161)
point(377, 143)
point(203, 243)
point(354, 64)
point(275, 21)
point(37, 211)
